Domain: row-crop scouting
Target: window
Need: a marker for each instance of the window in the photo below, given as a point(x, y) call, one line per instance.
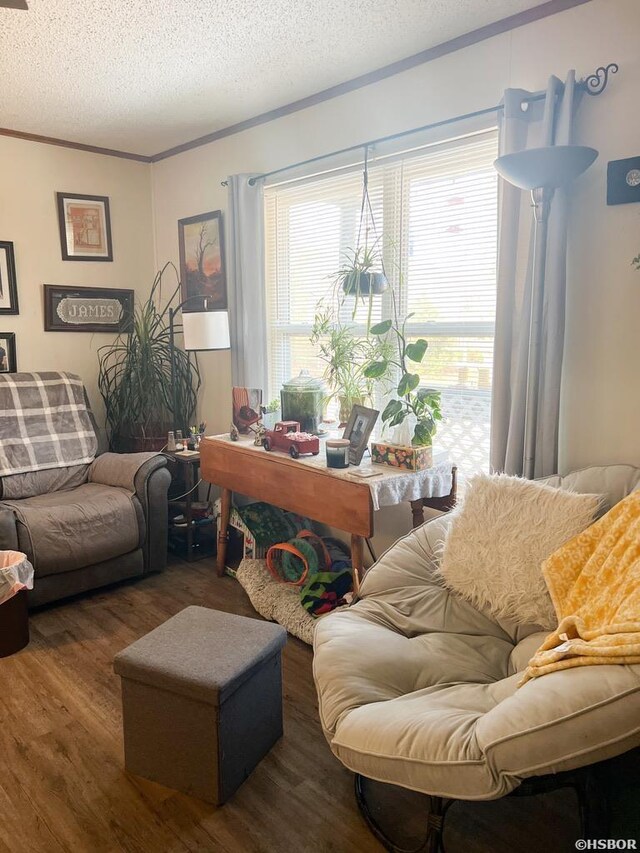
point(437, 208)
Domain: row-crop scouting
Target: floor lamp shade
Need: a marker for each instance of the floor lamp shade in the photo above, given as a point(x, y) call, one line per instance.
point(205, 330)
point(541, 170)
point(548, 168)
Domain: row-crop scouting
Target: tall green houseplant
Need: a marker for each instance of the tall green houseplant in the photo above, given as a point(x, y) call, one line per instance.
point(411, 403)
point(346, 353)
point(135, 377)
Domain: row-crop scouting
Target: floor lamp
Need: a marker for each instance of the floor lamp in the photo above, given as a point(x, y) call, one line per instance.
point(203, 329)
point(541, 170)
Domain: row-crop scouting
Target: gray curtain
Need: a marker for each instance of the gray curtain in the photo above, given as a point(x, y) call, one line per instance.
point(546, 122)
point(246, 272)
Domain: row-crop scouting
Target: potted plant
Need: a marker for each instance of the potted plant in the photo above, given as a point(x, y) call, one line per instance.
point(346, 354)
point(414, 412)
point(135, 378)
point(358, 276)
point(271, 414)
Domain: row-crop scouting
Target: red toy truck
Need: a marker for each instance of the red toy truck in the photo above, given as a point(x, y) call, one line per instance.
point(286, 436)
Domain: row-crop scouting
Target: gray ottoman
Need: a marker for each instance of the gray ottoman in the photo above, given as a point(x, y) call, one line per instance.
point(202, 701)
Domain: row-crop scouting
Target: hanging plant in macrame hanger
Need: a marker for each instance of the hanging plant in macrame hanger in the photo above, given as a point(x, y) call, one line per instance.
point(363, 275)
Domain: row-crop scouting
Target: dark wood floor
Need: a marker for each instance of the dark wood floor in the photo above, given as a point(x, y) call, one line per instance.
point(62, 787)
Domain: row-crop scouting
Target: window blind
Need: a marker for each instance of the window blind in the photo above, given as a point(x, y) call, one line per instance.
point(437, 209)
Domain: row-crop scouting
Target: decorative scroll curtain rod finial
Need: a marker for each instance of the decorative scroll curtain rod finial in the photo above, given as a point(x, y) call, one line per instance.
point(596, 83)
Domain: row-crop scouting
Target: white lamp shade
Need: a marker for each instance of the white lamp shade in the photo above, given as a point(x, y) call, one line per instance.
point(205, 330)
point(550, 167)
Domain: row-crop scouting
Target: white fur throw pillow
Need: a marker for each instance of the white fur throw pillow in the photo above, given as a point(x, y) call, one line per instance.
point(498, 539)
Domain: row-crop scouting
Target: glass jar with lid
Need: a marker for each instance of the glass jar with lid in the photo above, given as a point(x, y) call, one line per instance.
point(303, 398)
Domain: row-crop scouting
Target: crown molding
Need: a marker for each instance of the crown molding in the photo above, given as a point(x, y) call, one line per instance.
point(537, 13)
point(78, 146)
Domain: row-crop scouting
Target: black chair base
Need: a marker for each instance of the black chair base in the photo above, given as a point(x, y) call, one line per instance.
point(592, 805)
point(436, 814)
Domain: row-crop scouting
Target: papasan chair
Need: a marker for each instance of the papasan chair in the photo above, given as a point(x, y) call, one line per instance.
point(419, 690)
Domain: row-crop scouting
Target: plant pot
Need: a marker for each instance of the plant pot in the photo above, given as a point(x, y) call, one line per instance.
point(147, 444)
point(132, 443)
point(346, 405)
point(270, 419)
point(405, 456)
point(365, 283)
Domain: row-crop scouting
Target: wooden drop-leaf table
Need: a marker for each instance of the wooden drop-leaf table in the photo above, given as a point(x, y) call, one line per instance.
point(336, 497)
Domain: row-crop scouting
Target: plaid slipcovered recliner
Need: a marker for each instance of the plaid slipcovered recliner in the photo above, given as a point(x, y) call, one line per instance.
point(82, 520)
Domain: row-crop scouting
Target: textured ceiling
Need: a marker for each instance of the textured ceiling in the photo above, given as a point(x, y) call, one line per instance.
point(144, 75)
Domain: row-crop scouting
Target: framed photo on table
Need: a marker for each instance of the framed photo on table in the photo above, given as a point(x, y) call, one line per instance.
point(358, 429)
point(202, 266)
point(8, 284)
point(247, 405)
point(85, 227)
point(87, 309)
point(8, 352)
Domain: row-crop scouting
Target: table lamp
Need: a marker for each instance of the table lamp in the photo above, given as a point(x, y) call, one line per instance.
point(202, 330)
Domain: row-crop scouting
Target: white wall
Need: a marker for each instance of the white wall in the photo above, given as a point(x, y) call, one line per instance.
point(601, 404)
point(30, 175)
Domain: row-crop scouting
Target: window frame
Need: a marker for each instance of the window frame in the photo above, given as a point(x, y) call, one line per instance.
point(395, 194)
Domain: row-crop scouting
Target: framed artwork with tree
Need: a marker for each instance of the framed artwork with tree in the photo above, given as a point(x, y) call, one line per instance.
point(202, 267)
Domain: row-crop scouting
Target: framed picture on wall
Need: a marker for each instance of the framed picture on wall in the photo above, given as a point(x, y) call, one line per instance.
point(202, 267)
point(8, 352)
point(85, 227)
point(87, 309)
point(8, 284)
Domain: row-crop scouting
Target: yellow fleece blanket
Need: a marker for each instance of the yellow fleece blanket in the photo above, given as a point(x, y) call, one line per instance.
point(594, 582)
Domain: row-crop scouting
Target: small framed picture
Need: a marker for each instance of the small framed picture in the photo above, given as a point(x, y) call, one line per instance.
point(247, 405)
point(202, 268)
point(8, 284)
point(87, 309)
point(85, 227)
point(358, 429)
point(8, 352)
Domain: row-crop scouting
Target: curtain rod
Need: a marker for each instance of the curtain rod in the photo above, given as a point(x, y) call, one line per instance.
point(593, 84)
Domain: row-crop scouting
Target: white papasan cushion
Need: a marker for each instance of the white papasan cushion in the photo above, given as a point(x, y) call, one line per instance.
point(499, 538)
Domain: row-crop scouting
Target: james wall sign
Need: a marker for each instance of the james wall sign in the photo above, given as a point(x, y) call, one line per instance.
point(85, 227)
point(87, 309)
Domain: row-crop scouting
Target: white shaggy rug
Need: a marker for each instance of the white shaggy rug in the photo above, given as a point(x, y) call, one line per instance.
point(276, 601)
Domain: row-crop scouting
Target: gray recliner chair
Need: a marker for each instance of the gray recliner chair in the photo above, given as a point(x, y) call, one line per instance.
point(88, 525)
point(419, 689)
